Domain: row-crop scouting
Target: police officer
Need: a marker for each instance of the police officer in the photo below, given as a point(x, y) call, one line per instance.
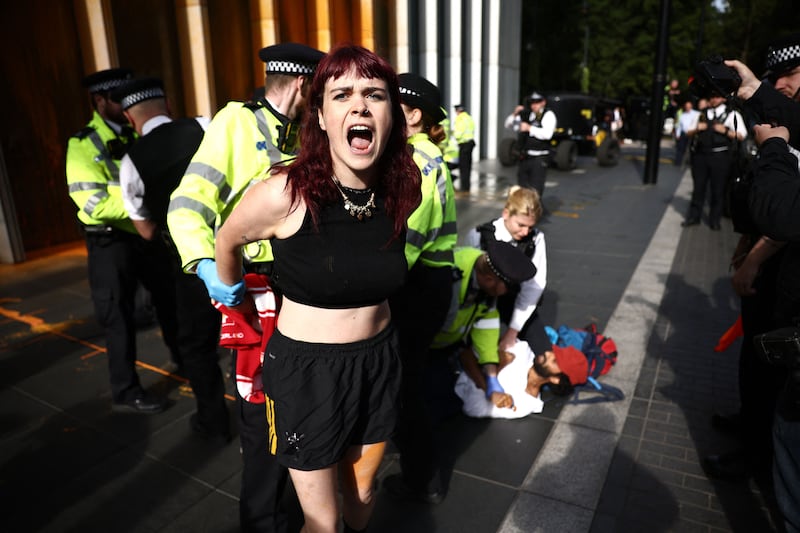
point(472, 322)
point(713, 135)
point(517, 225)
point(464, 133)
point(484, 277)
point(420, 309)
point(240, 145)
point(535, 124)
point(116, 258)
point(149, 173)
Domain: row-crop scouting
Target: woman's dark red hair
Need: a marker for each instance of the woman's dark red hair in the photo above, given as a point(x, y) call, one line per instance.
point(310, 174)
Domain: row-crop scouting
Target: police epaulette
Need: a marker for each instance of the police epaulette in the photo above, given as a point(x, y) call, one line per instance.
point(85, 132)
point(253, 106)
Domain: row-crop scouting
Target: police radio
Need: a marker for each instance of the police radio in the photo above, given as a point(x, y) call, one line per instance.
point(287, 137)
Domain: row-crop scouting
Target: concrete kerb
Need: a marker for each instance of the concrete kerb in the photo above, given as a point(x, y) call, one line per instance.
point(570, 470)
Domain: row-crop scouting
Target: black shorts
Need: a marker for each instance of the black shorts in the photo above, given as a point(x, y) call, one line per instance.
point(324, 398)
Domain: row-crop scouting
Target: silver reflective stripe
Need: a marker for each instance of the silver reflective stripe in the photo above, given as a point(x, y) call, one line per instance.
point(415, 238)
point(112, 167)
point(432, 163)
point(272, 151)
point(418, 239)
point(91, 203)
point(183, 202)
point(447, 228)
point(213, 176)
point(435, 163)
point(441, 256)
point(441, 185)
point(86, 186)
point(450, 228)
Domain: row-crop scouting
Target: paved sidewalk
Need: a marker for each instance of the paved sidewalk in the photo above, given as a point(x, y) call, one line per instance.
point(655, 481)
point(617, 257)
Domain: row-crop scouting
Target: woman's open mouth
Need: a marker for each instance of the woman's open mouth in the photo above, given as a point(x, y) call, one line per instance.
point(360, 138)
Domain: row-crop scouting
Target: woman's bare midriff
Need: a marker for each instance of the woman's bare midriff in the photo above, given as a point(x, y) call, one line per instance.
point(337, 326)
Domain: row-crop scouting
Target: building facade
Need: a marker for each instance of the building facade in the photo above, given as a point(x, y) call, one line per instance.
point(206, 51)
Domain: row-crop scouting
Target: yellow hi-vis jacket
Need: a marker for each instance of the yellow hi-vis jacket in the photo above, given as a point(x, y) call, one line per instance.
point(238, 148)
point(463, 128)
point(93, 177)
point(432, 232)
point(476, 322)
point(448, 146)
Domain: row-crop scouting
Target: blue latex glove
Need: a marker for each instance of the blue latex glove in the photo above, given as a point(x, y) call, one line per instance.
point(228, 295)
point(493, 385)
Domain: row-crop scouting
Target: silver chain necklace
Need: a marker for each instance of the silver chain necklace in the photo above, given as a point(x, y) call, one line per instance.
point(356, 211)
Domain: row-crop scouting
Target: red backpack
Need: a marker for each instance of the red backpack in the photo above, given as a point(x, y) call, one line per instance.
point(601, 351)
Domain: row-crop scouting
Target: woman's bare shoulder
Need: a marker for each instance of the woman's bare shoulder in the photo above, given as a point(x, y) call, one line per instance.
point(270, 194)
point(275, 199)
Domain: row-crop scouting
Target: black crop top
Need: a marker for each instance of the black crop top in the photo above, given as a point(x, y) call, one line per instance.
point(345, 262)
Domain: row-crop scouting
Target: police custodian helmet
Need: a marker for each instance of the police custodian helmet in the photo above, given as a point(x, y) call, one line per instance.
point(509, 263)
point(783, 55)
point(107, 80)
point(137, 91)
point(416, 91)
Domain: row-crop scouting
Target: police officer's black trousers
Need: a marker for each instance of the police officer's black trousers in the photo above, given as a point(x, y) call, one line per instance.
point(263, 478)
point(117, 261)
point(532, 173)
point(710, 170)
point(419, 311)
point(465, 164)
point(198, 337)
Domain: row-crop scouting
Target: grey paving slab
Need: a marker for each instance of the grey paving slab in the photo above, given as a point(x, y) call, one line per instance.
point(499, 451)
point(101, 499)
point(215, 513)
point(528, 514)
point(472, 504)
point(567, 468)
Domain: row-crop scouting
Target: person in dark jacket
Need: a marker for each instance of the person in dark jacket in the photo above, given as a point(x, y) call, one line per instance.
point(149, 173)
point(775, 210)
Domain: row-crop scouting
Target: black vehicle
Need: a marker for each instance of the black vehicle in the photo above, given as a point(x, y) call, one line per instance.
point(584, 127)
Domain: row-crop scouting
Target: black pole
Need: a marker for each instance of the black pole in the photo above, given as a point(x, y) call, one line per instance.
point(657, 99)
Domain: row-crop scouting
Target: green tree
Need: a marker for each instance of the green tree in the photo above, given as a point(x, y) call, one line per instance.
point(622, 38)
point(746, 27)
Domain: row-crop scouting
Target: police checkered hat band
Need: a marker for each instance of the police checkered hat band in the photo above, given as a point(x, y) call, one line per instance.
point(107, 80)
point(107, 85)
point(141, 96)
point(293, 59)
point(289, 67)
point(405, 90)
point(137, 91)
point(783, 55)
